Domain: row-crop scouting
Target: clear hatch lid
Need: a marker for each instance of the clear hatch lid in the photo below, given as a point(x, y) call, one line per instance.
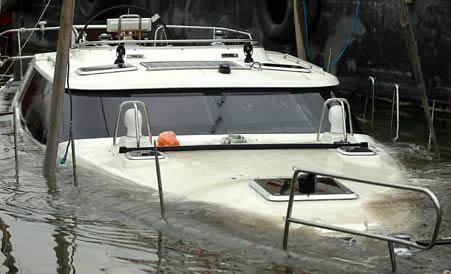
point(278, 189)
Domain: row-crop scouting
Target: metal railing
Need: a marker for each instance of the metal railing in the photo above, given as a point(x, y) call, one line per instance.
point(432, 119)
point(365, 108)
point(172, 41)
point(213, 29)
point(138, 129)
point(342, 102)
point(395, 97)
point(389, 239)
point(16, 154)
point(44, 28)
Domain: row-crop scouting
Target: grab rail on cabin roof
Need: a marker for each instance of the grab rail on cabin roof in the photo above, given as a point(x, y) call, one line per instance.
point(342, 102)
point(389, 239)
point(44, 28)
point(173, 41)
point(138, 129)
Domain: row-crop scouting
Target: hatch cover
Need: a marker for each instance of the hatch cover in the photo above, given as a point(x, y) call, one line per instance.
point(277, 189)
point(179, 65)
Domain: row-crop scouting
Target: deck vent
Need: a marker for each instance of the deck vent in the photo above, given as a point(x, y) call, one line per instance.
point(325, 188)
point(180, 65)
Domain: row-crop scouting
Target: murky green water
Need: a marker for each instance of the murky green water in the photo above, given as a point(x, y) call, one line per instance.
point(109, 226)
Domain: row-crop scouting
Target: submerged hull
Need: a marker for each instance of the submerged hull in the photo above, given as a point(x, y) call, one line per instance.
point(223, 178)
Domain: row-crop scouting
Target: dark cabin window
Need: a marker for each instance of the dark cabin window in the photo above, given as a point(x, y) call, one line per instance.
point(36, 104)
point(200, 111)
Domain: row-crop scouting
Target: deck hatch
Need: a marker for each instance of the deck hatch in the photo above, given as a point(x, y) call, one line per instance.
point(179, 65)
point(277, 190)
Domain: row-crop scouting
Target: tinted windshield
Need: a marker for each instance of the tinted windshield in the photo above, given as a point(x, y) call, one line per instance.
point(197, 112)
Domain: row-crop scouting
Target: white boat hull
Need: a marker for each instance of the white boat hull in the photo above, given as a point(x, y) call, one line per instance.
point(222, 178)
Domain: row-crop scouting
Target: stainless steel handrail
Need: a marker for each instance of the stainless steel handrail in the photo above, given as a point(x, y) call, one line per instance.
point(42, 28)
point(138, 133)
point(395, 94)
point(113, 42)
point(365, 108)
point(214, 29)
point(389, 239)
point(432, 119)
point(49, 29)
point(342, 102)
point(173, 41)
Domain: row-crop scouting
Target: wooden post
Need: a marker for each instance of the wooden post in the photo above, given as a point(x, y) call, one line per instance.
point(59, 79)
point(299, 25)
point(412, 49)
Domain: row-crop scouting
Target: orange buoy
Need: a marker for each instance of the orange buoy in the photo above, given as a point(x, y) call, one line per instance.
point(168, 139)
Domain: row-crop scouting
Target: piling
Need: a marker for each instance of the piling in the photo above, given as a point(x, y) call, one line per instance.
point(414, 57)
point(299, 26)
point(59, 79)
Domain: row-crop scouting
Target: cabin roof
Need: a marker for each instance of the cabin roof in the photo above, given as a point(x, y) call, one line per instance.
point(141, 78)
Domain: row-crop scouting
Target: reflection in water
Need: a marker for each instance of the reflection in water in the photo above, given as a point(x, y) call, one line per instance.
point(7, 248)
point(65, 259)
point(160, 251)
point(73, 244)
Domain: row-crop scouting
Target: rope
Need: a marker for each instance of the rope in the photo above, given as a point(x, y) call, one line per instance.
point(348, 41)
point(62, 162)
point(28, 38)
